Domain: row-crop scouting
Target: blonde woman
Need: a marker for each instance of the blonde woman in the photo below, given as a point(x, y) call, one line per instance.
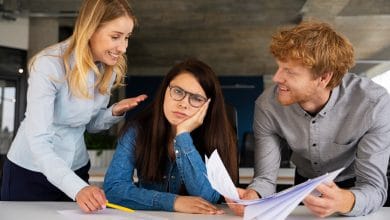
point(68, 93)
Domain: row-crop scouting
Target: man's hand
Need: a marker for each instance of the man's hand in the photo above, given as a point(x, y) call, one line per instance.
point(195, 205)
point(333, 199)
point(247, 194)
point(126, 104)
point(91, 198)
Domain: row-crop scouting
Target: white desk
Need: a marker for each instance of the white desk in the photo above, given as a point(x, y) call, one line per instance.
point(48, 211)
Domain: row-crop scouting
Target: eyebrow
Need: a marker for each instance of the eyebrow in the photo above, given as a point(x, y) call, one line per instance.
point(186, 90)
point(118, 32)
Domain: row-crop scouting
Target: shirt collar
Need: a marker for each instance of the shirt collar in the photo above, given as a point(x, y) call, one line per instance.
point(331, 102)
point(328, 106)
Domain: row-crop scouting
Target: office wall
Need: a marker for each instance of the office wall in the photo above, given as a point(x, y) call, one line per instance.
point(14, 34)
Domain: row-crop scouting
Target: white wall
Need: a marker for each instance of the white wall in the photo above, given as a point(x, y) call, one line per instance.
point(15, 34)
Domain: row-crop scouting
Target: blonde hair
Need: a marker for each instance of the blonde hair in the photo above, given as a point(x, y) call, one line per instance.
point(317, 46)
point(92, 14)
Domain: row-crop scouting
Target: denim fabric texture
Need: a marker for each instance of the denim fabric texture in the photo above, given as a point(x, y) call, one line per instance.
point(187, 169)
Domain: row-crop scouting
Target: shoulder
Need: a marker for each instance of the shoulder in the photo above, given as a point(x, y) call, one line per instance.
point(49, 61)
point(362, 88)
point(129, 135)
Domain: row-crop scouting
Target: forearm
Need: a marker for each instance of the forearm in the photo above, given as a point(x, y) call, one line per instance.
point(129, 195)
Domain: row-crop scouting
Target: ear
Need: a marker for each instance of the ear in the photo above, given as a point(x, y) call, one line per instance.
point(325, 78)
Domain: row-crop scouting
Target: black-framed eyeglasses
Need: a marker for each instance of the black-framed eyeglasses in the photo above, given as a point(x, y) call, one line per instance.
point(179, 94)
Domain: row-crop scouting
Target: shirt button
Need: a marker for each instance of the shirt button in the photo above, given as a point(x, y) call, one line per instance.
point(314, 145)
point(313, 122)
point(315, 163)
point(176, 151)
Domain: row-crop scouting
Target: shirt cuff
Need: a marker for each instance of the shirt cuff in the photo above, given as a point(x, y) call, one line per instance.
point(164, 201)
point(183, 142)
point(72, 184)
point(262, 190)
point(359, 204)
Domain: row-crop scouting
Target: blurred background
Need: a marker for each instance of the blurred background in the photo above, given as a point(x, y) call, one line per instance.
point(232, 36)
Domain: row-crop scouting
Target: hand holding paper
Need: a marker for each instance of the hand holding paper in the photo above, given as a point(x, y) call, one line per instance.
point(276, 206)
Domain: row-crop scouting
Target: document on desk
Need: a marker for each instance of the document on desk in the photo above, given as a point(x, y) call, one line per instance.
point(106, 214)
point(274, 207)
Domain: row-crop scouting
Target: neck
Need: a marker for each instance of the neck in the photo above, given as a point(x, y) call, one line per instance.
point(315, 105)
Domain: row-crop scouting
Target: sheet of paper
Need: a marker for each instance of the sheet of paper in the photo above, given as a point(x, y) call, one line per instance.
point(106, 214)
point(283, 203)
point(274, 207)
point(219, 177)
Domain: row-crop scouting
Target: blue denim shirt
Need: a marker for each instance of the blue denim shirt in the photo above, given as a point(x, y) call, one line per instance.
point(187, 169)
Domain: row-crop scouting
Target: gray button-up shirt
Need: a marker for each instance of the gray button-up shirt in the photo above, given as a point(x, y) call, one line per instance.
point(351, 131)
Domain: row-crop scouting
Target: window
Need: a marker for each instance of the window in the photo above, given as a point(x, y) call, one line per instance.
point(383, 80)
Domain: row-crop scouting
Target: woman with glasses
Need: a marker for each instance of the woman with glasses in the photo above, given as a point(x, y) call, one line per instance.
point(167, 143)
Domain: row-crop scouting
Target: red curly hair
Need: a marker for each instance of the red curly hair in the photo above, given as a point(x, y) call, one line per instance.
point(318, 47)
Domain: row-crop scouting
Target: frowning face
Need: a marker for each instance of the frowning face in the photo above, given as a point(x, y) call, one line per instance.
point(183, 97)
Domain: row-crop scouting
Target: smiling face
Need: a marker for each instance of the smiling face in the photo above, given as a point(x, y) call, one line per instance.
point(296, 84)
point(178, 111)
point(110, 40)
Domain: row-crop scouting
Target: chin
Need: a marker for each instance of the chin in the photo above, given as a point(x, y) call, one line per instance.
point(285, 102)
point(111, 63)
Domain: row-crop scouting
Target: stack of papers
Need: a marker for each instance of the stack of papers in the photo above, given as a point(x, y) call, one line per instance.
point(274, 207)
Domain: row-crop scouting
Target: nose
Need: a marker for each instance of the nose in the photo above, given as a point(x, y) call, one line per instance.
point(184, 102)
point(277, 78)
point(123, 46)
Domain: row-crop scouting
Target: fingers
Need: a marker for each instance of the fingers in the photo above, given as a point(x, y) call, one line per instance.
point(202, 113)
point(206, 207)
point(320, 205)
point(194, 121)
point(195, 205)
point(241, 192)
point(91, 199)
point(100, 198)
point(250, 194)
point(236, 208)
point(127, 104)
point(326, 189)
point(140, 98)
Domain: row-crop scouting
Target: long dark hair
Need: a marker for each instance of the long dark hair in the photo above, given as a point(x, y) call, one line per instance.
point(154, 132)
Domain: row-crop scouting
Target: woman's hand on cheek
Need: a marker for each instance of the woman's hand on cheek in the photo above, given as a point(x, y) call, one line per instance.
point(194, 121)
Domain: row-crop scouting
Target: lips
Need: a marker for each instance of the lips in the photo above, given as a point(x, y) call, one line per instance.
point(283, 88)
point(114, 55)
point(179, 114)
